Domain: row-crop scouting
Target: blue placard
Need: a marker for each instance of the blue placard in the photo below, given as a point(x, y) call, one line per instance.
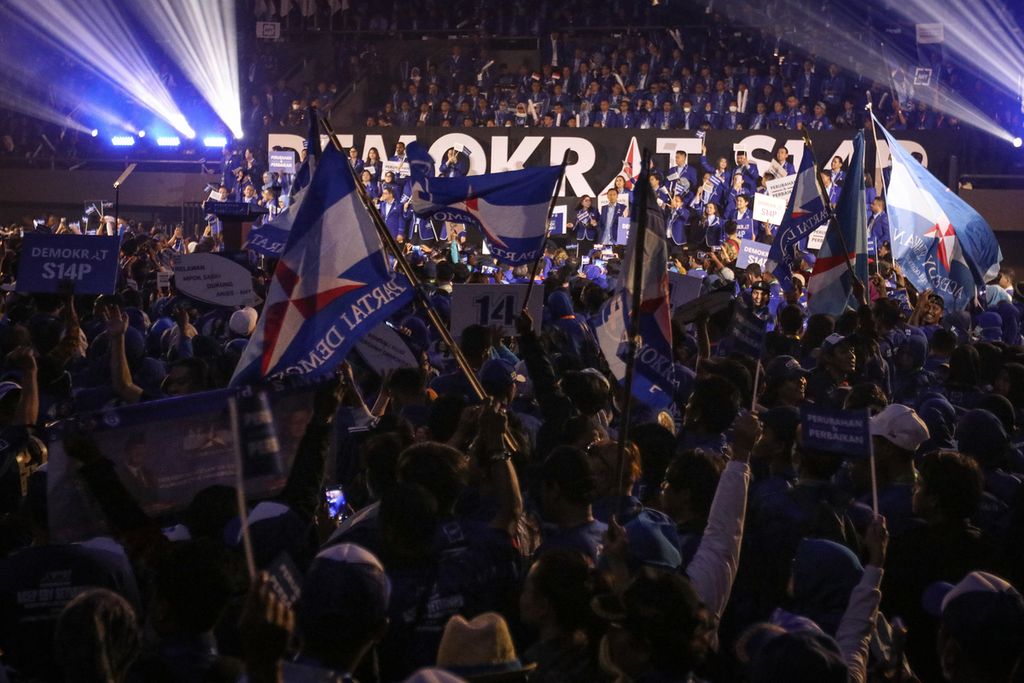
point(752, 252)
point(282, 161)
point(847, 432)
point(87, 262)
point(556, 226)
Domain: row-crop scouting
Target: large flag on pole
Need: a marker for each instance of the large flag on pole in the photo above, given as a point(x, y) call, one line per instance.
point(332, 284)
point(940, 242)
point(270, 238)
point(654, 381)
point(805, 212)
point(830, 287)
point(511, 209)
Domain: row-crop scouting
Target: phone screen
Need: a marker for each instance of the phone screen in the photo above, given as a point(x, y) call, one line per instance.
point(335, 499)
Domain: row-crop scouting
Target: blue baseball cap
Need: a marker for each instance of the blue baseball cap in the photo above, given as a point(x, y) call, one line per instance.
point(498, 376)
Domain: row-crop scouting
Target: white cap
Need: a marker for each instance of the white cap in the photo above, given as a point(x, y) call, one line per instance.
point(900, 426)
point(243, 321)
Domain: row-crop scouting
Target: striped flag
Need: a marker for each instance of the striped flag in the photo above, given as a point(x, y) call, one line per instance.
point(830, 287)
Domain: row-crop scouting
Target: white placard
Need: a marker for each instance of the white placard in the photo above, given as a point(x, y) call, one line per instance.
point(399, 168)
point(214, 279)
point(930, 33)
point(493, 306)
point(384, 350)
point(816, 238)
point(768, 209)
point(781, 187)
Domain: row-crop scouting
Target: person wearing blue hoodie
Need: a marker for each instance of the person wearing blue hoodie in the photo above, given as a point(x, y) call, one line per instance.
point(571, 334)
point(912, 379)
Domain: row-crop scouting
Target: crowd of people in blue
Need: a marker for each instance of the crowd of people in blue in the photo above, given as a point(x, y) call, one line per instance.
point(534, 532)
point(718, 545)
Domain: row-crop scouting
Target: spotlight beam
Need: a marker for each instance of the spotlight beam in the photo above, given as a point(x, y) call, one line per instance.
point(99, 37)
point(17, 101)
point(845, 38)
point(981, 32)
point(201, 36)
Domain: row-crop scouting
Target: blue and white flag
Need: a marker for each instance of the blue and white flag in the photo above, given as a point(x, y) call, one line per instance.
point(830, 287)
point(270, 238)
point(805, 212)
point(332, 284)
point(654, 381)
point(940, 242)
point(511, 209)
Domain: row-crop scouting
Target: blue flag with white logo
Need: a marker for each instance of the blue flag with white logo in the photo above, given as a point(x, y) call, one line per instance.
point(940, 242)
point(511, 209)
point(332, 284)
point(805, 212)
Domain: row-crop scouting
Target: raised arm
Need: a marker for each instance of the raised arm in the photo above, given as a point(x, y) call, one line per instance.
point(120, 374)
point(713, 568)
point(858, 623)
point(302, 490)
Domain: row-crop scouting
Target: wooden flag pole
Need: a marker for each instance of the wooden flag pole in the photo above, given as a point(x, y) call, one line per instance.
point(403, 266)
point(547, 230)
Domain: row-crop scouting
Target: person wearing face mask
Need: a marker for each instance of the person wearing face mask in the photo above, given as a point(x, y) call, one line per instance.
point(688, 120)
point(732, 118)
point(677, 95)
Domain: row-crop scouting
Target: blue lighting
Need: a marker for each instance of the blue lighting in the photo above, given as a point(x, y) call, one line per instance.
point(168, 141)
point(142, 133)
point(94, 132)
point(122, 140)
point(215, 141)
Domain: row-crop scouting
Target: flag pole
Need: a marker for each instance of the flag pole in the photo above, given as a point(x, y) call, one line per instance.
point(547, 230)
point(638, 237)
point(885, 194)
point(402, 265)
point(881, 170)
point(833, 222)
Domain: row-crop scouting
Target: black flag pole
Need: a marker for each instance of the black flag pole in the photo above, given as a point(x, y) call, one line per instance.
point(547, 230)
point(402, 265)
point(638, 233)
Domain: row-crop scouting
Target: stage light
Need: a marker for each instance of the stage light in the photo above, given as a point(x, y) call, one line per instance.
point(97, 34)
point(215, 141)
point(94, 132)
point(142, 133)
point(122, 140)
point(168, 141)
point(1017, 142)
point(202, 38)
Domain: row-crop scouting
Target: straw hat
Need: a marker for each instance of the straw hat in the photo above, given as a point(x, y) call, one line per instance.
point(481, 650)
